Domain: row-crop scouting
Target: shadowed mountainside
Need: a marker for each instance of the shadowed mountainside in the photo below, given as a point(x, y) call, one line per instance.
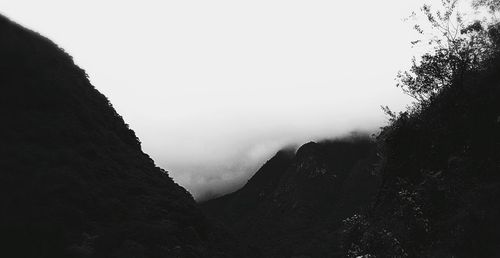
point(441, 173)
point(74, 181)
point(295, 202)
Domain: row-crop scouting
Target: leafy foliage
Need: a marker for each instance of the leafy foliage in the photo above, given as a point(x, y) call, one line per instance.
point(457, 48)
point(439, 159)
point(492, 5)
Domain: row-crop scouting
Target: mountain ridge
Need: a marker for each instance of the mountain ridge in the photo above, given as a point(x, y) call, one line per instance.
point(74, 181)
point(300, 195)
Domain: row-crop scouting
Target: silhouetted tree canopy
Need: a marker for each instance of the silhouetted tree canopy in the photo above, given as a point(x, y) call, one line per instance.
point(439, 159)
point(457, 48)
point(492, 5)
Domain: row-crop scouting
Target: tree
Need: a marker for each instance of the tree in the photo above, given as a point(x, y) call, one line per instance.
point(492, 5)
point(456, 48)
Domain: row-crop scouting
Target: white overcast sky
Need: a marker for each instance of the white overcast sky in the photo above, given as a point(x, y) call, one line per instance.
point(214, 88)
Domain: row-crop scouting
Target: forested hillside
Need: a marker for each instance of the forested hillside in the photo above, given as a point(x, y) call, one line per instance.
point(73, 179)
point(440, 159)
point(295, 203)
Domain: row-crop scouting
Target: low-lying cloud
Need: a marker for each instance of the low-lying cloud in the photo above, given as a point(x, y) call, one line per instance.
point(220, 164)
point(214, 88)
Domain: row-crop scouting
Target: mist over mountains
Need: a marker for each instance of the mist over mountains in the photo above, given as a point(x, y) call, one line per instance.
point(222, 175)
point(302, 194)
point(208, 85)
point(75, 182)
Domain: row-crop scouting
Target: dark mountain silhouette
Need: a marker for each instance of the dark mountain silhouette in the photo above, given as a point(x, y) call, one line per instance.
point(296, 202)
point(441, 173)
point(73, 179)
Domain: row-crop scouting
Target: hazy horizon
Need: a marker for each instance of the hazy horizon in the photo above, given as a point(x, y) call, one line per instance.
point(214, 89)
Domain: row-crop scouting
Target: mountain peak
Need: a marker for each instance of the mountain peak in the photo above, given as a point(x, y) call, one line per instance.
point(291, 191)
point(308, 147)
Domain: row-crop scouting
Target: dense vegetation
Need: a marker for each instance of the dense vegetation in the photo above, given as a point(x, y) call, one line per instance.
point(295, 204)
point(441, 158)
point(73, 179)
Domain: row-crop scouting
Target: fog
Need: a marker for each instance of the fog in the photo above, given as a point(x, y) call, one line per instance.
point(214, 88)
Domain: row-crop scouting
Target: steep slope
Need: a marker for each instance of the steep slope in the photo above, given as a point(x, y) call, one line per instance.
point(260, 186)
point(441, 174)
point(73, 179)
point(296, 201)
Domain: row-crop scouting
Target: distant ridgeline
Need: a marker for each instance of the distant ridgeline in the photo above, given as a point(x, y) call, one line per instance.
point(73, 179)
point(294, 205)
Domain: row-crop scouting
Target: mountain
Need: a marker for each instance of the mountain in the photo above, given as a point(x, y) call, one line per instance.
point(74, 181)
point(295, 203)
point(440, 169)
